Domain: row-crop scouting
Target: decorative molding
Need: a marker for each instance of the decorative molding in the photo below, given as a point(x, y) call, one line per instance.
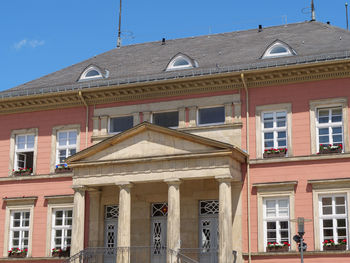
point(178, 87)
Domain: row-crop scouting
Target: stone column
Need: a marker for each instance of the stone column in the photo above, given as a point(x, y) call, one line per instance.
point(78, 220)
point(225, 220)
point(173, 223)
point(94, 217)
point(124, 222)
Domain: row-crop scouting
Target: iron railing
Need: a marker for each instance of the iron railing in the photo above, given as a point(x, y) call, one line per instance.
point(145, 254)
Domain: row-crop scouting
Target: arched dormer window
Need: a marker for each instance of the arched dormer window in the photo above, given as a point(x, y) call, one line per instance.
point(181, 61)
point(278, 49)
point(91, 72)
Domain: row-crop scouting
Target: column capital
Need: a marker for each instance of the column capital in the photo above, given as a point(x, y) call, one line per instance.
point(79, 188)
point(224, 179)
point(93, 190)
point(124, 185)
point(173, 181)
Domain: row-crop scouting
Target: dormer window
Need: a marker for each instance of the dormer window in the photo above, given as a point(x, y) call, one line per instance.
point(90, 73)
point(278, 49)
point(181, 61)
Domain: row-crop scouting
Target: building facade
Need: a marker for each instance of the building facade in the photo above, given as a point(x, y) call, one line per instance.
point(203, 149)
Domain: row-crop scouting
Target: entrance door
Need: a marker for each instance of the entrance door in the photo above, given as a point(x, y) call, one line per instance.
point(111, 233)
point(159, 214)
point(208, 231)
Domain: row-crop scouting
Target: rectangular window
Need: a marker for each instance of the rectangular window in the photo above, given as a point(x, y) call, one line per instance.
point(274, 130)
point(120, 124)
point(215, 115)
point(333, 218)
point(166, 119)
point(329, 126)
point(19, 230)
point(66, 145)
point(24, 155)
point(276, 220)
point(62, 229)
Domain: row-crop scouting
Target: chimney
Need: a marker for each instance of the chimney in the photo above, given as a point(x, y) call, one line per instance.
point(163, 41)
point(260, 28)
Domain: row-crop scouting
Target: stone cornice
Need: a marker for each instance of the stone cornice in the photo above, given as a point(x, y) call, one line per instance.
point(179, 87)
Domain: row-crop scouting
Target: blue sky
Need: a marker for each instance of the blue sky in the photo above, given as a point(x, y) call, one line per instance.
point(42, 36)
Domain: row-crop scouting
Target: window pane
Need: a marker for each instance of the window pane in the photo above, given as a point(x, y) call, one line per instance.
point(328, 232)
point(323, 131)
point(269, 144)
point(324, 139)
point(121, 124)
point(271, 225)
point(341, 232)
point(284, 224)
point(92, 73)
point(268, 135)
point(337, 130)
point(30, 141)
point(58, 222)
point(59, 213)
point(341, 222)
point(282, 143)
point(278, 49)
point(323, 116)
point(21, 142)
point(166, 119)
point(58, 233)
point(327, 210)
point(328, 223)
point(340, 200)
point(72, 151)
point(211, 115)
point(339, 210)
point(268, 124)
point(337, 115)
point(180, 62)
point(72, 139)
point(281, 134)
point(62, 138)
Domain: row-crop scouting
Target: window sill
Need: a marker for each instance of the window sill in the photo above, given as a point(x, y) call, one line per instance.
point(297, 253)
point(35, 177)
point(314, 157)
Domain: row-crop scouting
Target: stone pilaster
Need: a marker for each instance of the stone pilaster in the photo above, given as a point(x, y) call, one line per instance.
point(237, 110)
point(192, 116)
point(94, 217)
point(124, 222)
point(182, 117)
point(104, 125)
point(228, 113)
point(78, 219)
point(95, 126)
point(173, 224)
point(225, 220)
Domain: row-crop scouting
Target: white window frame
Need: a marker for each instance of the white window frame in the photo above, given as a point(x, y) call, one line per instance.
point(287, 107)
point(64, 228)
point(184, 57)
point(213, 123)
point(178, 112)
point(333, 216)
point(67, 147)
point(21, 229)
point(119, 116)
point(329, 125)
point(22, 151)
point(289, 51)
point(274, 129)
point(86, 71)
point(328, 103)
point(54, 142)
point(18, 205)
point(276, 219)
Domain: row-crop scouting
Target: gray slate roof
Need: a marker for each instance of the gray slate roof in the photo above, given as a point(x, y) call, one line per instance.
point(236, 51)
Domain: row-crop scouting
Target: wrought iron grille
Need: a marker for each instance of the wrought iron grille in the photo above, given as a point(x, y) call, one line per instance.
point(159, 209)
point(209, 207)
point(111, 212)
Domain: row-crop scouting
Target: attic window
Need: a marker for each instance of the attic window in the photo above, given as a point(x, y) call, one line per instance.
point(181, 62)
point(278, 49)
point(91, 72)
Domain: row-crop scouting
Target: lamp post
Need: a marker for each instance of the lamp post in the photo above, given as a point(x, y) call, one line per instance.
point(299, 239)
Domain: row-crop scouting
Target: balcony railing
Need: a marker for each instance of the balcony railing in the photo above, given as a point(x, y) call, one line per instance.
point(144, 255)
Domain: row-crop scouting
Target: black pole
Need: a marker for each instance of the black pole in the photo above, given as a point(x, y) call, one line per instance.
point(119, 41)
point(346, 13)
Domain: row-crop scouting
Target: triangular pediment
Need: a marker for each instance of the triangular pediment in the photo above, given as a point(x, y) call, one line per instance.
point(147, 141)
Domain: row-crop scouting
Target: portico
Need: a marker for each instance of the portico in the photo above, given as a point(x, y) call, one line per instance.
point(148, 168)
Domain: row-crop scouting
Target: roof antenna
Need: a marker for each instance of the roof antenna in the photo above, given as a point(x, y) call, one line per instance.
point(347, 19)
point(313, 16)
point(119, 40)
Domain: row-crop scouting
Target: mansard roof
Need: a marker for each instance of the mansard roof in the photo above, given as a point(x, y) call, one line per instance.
point(226, 52)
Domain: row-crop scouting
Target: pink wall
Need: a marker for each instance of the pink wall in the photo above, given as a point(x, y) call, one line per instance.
point(39, 188)
point(299, 95)
point(44, 121)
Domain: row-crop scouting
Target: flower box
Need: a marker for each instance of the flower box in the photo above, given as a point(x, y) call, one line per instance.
point(273, 153)
point(63, 170)
point(18, 255)
point(277, 249)
point(329, 149)
point(20, 173)
point(335, 247)
point(56, 252)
